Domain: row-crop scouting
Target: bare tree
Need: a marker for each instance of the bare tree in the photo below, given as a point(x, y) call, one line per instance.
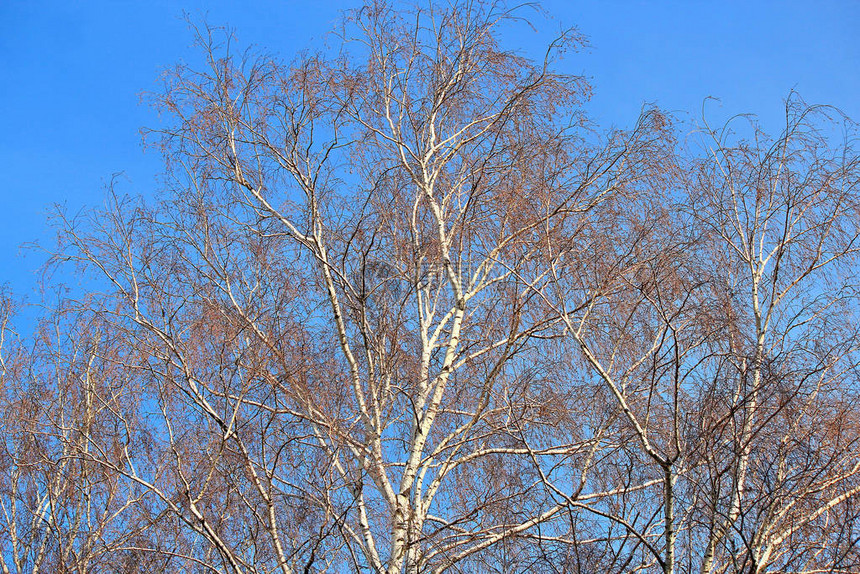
point(401, 308)
point(782, 217)
point(351, 281)
point(726, 334)
point(61, 511)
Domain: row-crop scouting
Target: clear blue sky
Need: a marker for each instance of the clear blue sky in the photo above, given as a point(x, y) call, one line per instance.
point(71, 74)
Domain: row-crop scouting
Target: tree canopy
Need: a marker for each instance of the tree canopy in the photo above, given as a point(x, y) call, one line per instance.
point(402, 307)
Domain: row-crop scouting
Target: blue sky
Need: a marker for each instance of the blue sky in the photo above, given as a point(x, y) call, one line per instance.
point(72, 74)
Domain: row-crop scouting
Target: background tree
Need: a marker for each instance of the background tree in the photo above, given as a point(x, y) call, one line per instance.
point(780, 217)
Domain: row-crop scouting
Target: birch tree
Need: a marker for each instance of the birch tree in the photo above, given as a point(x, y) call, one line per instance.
point(348, 277)
point(401, 307)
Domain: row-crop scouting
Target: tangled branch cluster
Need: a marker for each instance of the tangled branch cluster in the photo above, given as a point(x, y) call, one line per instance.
point(403, 309)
